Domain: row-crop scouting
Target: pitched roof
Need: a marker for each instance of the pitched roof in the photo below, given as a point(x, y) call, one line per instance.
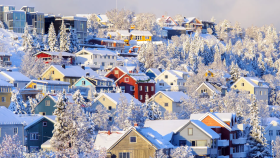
point(8, 117)
point(206, 129)
point(105, 140)
point(54, 97)
point(15, 76)
point(141, 33)
point(5, 84)
point(210, 86)
point(124, 69)
point(29, 120)
point(176, 96)
point(72, 71)
point(250, 81)
point(5, 54)
point(103, 17)
point(155, 71)
point(98, 51)
point(178, 74)
point(115, 97)
point(123, 32)
point(64, 54)
point(49, 82)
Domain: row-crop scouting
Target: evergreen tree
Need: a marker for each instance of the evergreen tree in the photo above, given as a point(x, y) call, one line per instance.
point(17, 104)
point(135, 114)
point(152, 111)
point(63, 38)
point(73, 41)
point(52, 41)
point(11, 147)
point(100, 118)
point(27, 43)
point(256, 140)
point(122, 117)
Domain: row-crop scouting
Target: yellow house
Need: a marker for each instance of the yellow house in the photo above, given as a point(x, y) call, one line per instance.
point(102, 19)
point(5, 93)
point(111, 100)
point(254, 86)
point(169, 100)
point(66, 73)
point(141, 35)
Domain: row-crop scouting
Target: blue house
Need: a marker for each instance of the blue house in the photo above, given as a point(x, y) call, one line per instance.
point(153, 72)
point(98, 82)
point(46, 105)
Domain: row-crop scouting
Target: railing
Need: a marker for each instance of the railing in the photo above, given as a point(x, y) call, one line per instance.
point(223, 142)
point(239, 141)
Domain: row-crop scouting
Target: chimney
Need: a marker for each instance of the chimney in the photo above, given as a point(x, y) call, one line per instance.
point(87, 74)
point(135, 124)
point(83, 67)
point(245, 75)
point(207, 80)
point(63, 66)
point(9, 70)
point(109, 132)
point(211, 110)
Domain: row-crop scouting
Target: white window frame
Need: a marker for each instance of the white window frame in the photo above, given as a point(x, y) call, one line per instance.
point(126, 79)
point(3, 99)
point(165, 104)
point(47, 103)
point(140, 88)
point(15, 130)
point(146, 88)
point(34, 136)
point(152, 88)
point(83, 83)
point(135, 139)
point(141, 97)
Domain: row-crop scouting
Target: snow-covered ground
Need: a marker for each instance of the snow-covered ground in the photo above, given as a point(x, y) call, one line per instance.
point(11, 42)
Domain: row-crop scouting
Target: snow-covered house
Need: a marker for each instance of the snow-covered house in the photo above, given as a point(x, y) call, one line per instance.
point(169, 100)
point(16, 78)
point(9, 124)
point(99, 83)
point(66, 73)
point(37, 130)
point(45, 86)
point(5, 59)
point(135, 142)
point(50, 56)
point(118, 71)
point(232, 141)
point(272, 131)
point(103, 19)
point(137, 84)
point(111, 100)
point(171, 80)
point(191, 24)
point(201, 138)
point(167, 21)
point(141, 35)
point(5, 93)
point(46, 105)
point(209, 89)
point(114, 45)
point(103, 59)
point(254, 86)
point(153, 72)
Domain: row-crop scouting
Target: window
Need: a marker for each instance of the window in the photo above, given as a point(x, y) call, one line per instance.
point(146, 89)
point(110, 108)
point(83, 83)
point(264, 92)
point(48, 103)
point(260, 92)
point(126, 79)
point(15, 130)
point(103, 99)
point(123, 88)
point(42, 113)
point(34, 86)
point(166, 76)
point(108, 57)
point(242, 84)
point(110, 118)
point(112, 64)
point(161, 84)
point(33, 136)
point(241, 148)
point(15, 85)
point(45, 124)
point(201, 143)
point(270, 132)
point(147, 37)
point(3, 99)
point(152, 88)
point(160, 96)
point(171, 83)
point(131, 88)
point(193, 143)
point(124, 155)
point(141, 97)
point(182, 142)
point(116, 71)
point(201, 91)
point(278, 132)
point(132, 139)
point(165, 104)
point(140, 88)
point(103, 63)
point(190, 131)
point(52, 72)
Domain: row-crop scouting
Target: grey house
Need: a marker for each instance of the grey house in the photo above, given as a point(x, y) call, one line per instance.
point(202, 139)
point(9, 124)
point(209, 89)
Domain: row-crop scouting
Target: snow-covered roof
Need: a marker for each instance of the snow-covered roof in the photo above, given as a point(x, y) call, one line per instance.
point(64, 54)
point(154, 138)
point(124, 69)
point(178, 74)
point(103, 17)
point(251, 80)
point(189, 19)
point(105, 140)
point(141, 33)
point(206, 129)
point(98, 51)
point(29, 119)
point(50, 117)
point(5, 84)
point(72, 71)
point(109, 40)
point(165, 127)
point(174, 28)
point(15, 76)
point(55, 97)
point(115, 97)
point(211, 87)
point(5, 54)
point(99, 77)
point(139, 77)
point(155, 71)
point(50, 82)
point(46, 145)
point(173, 95)
point(112, 33)
point(123, 32)
point(8, 117)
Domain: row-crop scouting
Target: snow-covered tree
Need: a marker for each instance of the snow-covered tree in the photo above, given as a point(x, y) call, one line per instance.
point(101, 118)
point(79, 99)
point(52, 41)
point(136, 114)
point(121, 19)
point(256, 140)
point(152, 111)
point(73, 41)
point(122, 116)
point(276, 147)
point(182, 152)
point(11, 147)
point(17, 103)
point(63, 38)
point(27, 43)
point(169, 115)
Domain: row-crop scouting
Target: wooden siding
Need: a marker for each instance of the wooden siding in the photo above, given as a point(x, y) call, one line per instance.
point(8, 96)
point(140, 149)
point(41, 107)
point(114, 76)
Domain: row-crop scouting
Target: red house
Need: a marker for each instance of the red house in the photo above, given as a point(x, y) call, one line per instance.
point(119, 71)
point(5, 59)
point(232, 141)
point(49, 56)
point(136, 84)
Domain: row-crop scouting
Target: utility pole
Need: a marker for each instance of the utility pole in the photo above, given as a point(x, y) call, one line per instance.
point(116, 4)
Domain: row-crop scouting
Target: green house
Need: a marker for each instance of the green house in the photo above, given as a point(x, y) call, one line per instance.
point(38, 132)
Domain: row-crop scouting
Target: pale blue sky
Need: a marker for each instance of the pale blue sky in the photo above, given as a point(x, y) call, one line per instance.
point(247, 12)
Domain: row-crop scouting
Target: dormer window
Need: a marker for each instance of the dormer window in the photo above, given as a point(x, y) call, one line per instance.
point(260, 84)
point(242, 84)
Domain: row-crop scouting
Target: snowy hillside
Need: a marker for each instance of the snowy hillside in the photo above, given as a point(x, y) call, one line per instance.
point(11, 42)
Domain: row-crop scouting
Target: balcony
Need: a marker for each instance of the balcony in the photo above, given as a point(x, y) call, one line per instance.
point(239, 141)
point(223, 143)
point(204, 150)
point(241, 154)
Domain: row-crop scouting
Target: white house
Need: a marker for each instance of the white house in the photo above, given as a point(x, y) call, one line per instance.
point(96, 58)
point(171, 80)
point(16, 78)
point(272, 131)
point(9, 124)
